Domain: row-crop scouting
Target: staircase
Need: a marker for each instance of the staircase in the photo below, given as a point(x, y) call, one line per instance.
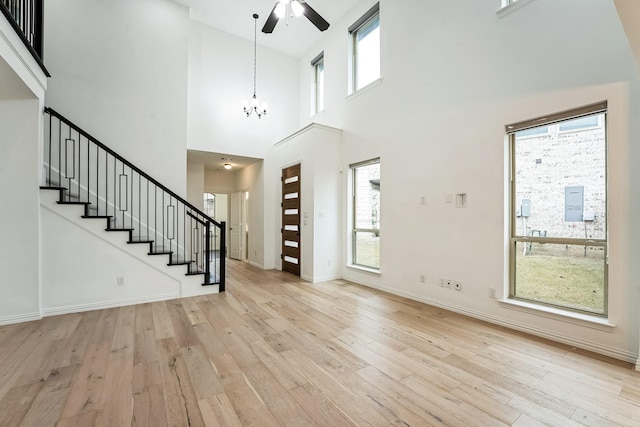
point(107, 187)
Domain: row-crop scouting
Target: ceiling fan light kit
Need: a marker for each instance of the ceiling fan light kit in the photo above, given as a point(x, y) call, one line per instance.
point(293, 8)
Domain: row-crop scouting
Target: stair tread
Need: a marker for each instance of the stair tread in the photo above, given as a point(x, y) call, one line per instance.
point(141, 238)
point(72, 203)
point(119, 229)
point(97, 216)
point(160, 253)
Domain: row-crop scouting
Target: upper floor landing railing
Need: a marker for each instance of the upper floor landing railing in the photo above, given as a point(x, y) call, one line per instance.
point(26, 18)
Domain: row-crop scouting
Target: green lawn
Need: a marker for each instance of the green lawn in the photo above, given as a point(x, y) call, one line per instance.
point(562, 277)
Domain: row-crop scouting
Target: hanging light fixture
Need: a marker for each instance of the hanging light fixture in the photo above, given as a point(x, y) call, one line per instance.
point(259, 109)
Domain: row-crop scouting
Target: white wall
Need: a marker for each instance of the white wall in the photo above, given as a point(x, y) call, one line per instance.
point(19, 169)
point(221, 76)
point(220, 181)
point(260, 219)
point(195, 183)
point(327, 210)
point(80, 269)
point(119, 71)
point(453, 74)
point(22, 86)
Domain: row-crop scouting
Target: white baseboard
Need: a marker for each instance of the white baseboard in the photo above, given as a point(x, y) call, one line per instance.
point(256, 265)
point(54, 311)
point(612, 352)
point(19, 318)
point(326, 278)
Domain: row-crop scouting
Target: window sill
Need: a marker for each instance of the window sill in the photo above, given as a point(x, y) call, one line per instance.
point(582, 319)
point(317, 114)
point(367, 88)
point(510, 8)
point(364, 269)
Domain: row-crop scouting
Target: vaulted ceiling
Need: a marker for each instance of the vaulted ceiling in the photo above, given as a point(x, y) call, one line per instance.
point(235, 17)
point(629, 12)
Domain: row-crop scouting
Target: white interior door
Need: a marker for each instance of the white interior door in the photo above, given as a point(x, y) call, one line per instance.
point(245, 225)
point(235, 226)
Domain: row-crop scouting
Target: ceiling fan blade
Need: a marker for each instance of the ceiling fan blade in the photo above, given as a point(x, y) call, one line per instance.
point(314, 17)
point(271, 21)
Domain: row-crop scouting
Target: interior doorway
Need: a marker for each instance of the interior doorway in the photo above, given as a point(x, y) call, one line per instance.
point(239, 225)
point(216, 205)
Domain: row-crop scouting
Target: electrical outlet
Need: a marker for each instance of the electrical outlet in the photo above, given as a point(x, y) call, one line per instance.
point(423, 279)
point(457, 286)
point(449, 284)
point(120, 280)
point(492, 292)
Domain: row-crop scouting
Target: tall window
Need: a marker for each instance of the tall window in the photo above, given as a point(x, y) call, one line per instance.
point(366, 214)
point(318, 83)
point(365, 36)
point(558, 250)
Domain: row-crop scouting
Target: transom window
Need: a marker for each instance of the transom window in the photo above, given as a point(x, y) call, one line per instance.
point(365, 36)
point(366, 214)
point(558, 249)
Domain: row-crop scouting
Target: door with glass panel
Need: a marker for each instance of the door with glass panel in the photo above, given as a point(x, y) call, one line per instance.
point(291, 219)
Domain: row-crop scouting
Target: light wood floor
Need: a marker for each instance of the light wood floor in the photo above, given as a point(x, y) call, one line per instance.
point(274, 351)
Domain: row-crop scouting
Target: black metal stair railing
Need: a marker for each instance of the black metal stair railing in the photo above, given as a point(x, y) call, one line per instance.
point(25, 16)
point(110, 187)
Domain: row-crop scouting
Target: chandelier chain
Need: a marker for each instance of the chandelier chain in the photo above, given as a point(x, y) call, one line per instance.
point(255, 41)
point(253, 107)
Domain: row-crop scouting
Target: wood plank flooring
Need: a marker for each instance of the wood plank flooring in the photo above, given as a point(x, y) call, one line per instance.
point(276, 351)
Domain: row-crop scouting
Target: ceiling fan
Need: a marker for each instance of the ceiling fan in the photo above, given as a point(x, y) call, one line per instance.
point(293, 8)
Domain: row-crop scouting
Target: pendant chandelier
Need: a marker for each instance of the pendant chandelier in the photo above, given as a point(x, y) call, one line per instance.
point(255, 106)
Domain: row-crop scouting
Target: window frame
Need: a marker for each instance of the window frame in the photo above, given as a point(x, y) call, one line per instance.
point(509, 6)
point(354, 228)
point(316, 63)
point(371, 15)
point(578, 129)
point(514, 239)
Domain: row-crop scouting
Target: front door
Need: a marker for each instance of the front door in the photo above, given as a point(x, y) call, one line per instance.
point(291, 219)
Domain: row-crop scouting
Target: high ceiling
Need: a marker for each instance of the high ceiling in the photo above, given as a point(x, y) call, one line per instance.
point(235, 17)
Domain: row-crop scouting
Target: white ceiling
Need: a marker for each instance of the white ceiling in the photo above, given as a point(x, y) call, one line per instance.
point(216, 161)
point(235, 17)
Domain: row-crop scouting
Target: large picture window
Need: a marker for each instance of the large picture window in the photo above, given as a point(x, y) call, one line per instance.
point(366, 214)
point(558, 247)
